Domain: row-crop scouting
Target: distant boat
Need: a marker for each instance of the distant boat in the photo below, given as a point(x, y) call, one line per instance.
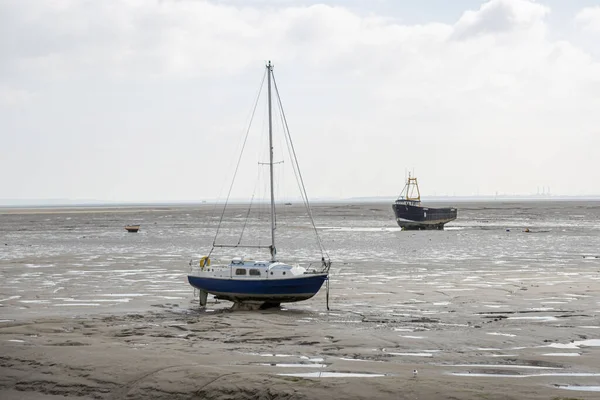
point(411, 215)
point(264, 283)
point(132, 228)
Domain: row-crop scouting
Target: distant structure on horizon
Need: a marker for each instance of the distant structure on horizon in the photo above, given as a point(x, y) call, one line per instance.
point(545, 191)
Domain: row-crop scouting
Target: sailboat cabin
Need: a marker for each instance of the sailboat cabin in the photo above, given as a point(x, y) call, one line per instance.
point(249, 269)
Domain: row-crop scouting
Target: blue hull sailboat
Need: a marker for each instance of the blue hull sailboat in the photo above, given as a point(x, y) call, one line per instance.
point(296, 288)
point(259, 282)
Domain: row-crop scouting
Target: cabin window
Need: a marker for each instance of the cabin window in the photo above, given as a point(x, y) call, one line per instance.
point(254, 272)
point(284, 272)
point(240, 271)
point(271, 272)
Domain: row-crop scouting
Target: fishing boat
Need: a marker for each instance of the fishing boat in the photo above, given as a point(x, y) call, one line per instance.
point(412, 215)
point(262, 282)
point(132, 228)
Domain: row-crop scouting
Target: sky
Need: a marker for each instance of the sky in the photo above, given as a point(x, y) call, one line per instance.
point(149, 101)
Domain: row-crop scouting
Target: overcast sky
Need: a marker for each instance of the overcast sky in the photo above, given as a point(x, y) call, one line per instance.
point(140, 100)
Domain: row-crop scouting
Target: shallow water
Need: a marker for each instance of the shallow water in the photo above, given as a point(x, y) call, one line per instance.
point(327, 374)
point(474, 297)
point(80, 259)
point(581, 388)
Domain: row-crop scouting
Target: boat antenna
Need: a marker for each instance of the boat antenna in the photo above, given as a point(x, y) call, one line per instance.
point(273, 249)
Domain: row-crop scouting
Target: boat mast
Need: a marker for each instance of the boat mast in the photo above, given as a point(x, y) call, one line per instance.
point(273, 250)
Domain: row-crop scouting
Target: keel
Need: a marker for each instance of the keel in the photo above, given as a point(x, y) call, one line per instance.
point(203, 298)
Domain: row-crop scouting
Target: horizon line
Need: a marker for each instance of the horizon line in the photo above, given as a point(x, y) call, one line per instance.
point(9, 203)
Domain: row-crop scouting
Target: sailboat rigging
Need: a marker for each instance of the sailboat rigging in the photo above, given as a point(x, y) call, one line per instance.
point(266, 283)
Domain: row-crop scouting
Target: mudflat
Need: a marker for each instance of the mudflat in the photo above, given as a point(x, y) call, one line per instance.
point(481, 310)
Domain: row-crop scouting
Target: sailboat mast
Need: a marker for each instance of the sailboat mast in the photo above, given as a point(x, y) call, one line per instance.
point(273, 250)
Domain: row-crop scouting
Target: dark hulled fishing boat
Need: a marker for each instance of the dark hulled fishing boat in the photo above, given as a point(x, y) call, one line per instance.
point(411, 215)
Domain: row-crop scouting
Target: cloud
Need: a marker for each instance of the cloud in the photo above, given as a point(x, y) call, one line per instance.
point(198, 38)
point(486, 96)
point(500, 16)
point(589, 19)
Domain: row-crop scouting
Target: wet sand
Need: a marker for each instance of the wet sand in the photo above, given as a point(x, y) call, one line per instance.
point(477, 317)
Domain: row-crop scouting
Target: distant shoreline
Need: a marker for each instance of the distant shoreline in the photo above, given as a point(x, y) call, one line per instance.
point(158, 207)
point(43, 204)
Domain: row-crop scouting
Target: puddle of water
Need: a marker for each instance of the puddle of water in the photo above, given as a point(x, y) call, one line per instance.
point(444, 324)
point(501, 334)
point(580, 388)
point(345, 322)
point(413, 337)
point(16, 340)
point(562, 346)
point(334, 375)
point(511, 366)
point(34, 301)
point(502, 355)
point(294, 365)
point(412, 354)
point(538, 318)
point(317, 359)
point(576, 344)
point(581, 374)
point(562, 354)
point(10, 298)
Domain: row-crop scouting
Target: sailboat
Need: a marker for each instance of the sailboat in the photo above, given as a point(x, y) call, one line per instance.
point(262, 283)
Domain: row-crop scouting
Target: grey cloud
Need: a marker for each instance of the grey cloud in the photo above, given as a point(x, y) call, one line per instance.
point(498, 16)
